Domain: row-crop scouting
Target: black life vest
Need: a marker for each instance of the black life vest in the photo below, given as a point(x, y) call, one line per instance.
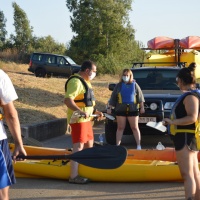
point(173, 128)
point(88, 95)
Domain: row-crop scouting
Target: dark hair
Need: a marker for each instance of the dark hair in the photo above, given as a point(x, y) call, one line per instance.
point(87, 65)
point(187, 74)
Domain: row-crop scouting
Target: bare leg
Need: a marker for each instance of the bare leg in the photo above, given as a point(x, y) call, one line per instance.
point(196, 175)
point(78, 147)
point(133, 121)
point(74, 165)
point(4, 193)
point(121, 123)
point(89, 144)
point(185, 159)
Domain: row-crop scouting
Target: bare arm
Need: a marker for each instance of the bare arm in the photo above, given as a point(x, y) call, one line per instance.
point(12, 121)
point(142, 108)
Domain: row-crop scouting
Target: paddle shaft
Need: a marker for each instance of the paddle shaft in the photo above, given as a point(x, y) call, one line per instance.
point(102, 157)
point(64, 157)
point(104, 114)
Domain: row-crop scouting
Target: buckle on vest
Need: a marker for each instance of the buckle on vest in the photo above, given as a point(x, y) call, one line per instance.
point(127, 108)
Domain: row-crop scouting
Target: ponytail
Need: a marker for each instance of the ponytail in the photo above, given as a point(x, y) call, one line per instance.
point(192, 66)
point(187, 74)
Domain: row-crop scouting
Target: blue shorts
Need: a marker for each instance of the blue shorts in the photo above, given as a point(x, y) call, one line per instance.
point(7, 176)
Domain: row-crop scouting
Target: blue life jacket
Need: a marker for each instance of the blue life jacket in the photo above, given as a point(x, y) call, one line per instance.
point(127, 93)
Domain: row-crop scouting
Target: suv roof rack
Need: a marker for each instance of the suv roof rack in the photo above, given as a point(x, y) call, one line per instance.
point(178, 64)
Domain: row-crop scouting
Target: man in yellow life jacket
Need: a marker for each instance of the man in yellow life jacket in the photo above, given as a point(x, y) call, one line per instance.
point(79, 97)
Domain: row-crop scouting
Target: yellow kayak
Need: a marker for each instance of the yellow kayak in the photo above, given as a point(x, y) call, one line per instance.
point(131, 171)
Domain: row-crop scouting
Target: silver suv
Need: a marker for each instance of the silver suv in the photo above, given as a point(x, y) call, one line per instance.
point(46, 64)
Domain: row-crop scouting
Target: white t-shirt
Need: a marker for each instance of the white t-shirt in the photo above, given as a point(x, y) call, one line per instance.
point(7, 94)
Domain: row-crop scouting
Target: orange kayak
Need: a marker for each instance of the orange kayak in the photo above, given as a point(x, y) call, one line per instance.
point(33, 150)
point(168, 154)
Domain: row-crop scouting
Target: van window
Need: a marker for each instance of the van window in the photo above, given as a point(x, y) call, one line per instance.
point(50, 59)
point(69, 60)
point(61, 60)
point(37, 57)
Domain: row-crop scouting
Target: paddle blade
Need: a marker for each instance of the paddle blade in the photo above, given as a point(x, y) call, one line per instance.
point(109, 116)
point(157, 125)
point(102, 157)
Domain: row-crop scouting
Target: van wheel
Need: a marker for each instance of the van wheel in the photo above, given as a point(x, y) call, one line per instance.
point(40, 73)
point(110, 132)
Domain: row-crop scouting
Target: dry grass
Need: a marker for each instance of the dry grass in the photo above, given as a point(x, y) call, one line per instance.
point(41, 99)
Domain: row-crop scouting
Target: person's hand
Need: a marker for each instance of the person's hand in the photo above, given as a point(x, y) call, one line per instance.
point(142, 110)
point(167, 121)
point(101, 116)
point(19, 150)
point(85, 114)
point(109, 110)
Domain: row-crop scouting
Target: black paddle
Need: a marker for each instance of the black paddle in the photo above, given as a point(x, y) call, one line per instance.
point(102, 157)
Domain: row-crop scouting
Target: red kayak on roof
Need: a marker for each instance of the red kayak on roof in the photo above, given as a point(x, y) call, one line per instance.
point(161, 43)
point(190, 42)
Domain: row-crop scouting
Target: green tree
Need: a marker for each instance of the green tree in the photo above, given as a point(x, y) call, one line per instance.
point(23, 37)
point(3, 31)
point(47, 44)
point(103, 33)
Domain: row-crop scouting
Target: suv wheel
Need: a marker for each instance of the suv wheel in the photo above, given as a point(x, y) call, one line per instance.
point(110, 132)
point(40, 73)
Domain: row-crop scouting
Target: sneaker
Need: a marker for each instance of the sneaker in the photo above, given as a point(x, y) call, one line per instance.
point(79, 180)
point(139, 147)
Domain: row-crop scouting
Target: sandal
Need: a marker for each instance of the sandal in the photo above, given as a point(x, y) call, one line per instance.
point(79, 180)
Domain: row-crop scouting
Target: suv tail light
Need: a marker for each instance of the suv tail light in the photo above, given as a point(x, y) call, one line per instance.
point(30, 63)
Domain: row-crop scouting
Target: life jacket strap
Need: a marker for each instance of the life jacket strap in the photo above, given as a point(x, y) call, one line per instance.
point(184, 130)
point(127, 108)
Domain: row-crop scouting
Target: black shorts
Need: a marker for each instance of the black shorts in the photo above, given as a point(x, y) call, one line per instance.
point(182, 139)
point(127, 114)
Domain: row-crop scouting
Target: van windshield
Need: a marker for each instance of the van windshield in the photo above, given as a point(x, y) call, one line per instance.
point(156, 79)
point(69, 60)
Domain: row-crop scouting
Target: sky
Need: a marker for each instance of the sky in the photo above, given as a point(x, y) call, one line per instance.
point(150, 18)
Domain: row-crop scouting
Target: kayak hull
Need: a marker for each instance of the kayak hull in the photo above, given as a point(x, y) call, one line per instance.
point(131, 171)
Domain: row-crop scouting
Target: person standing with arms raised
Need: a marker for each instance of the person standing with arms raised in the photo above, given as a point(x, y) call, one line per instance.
point(79, 97)
point(128, 101)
